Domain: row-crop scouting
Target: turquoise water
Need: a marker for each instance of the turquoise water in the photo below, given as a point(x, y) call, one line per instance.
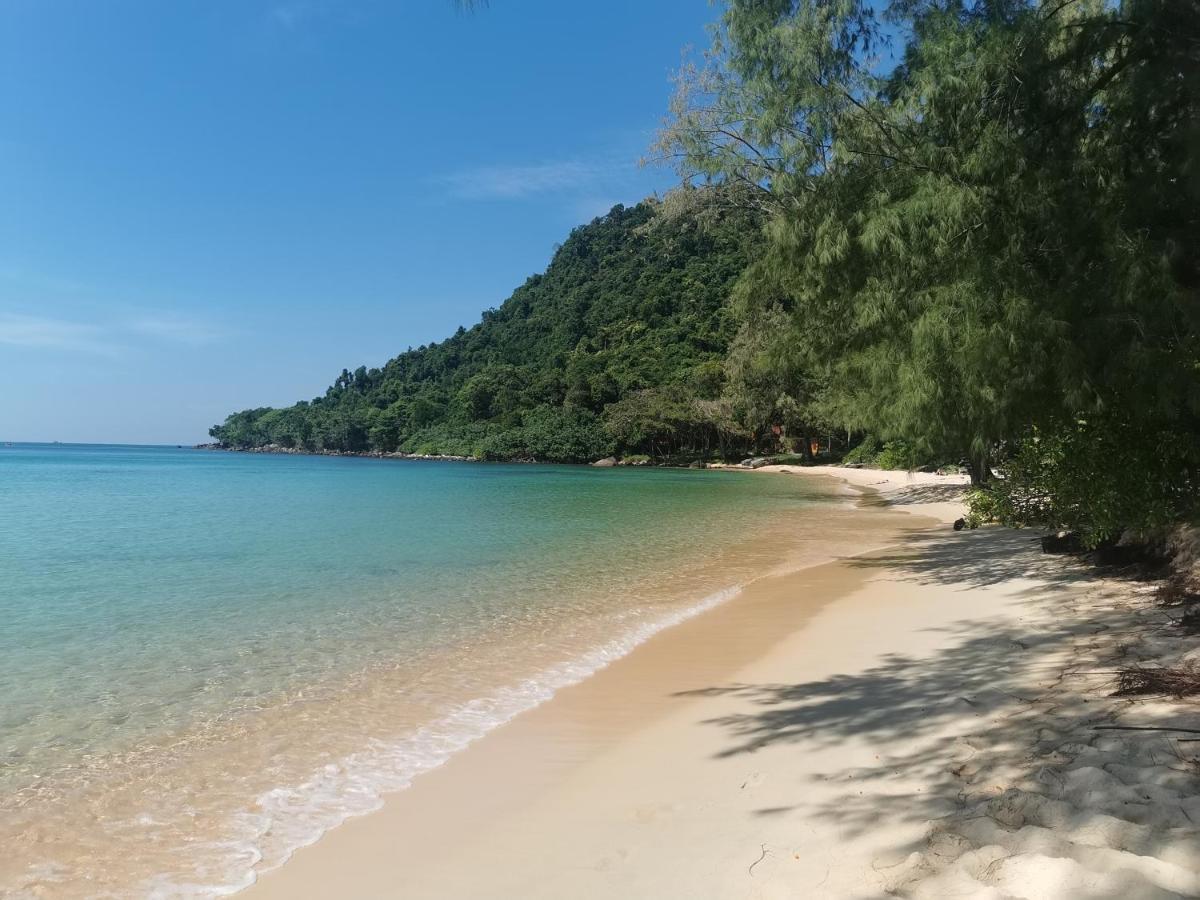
point(208, 659)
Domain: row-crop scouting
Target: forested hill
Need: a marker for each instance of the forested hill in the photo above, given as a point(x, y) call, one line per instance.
point(990, 254)
point(617, 347)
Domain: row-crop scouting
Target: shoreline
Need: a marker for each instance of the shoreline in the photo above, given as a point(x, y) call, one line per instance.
point(762, 464)
point(537, 734)
point(858, 727)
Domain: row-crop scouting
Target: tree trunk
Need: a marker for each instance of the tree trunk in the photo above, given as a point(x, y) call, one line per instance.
point(980, 469)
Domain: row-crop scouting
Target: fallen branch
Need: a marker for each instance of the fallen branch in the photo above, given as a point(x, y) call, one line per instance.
point(1144, 728)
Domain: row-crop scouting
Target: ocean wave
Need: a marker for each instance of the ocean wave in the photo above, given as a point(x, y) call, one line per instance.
point(290, 817)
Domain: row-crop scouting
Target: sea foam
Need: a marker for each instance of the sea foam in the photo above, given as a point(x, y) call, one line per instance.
point(288, 818)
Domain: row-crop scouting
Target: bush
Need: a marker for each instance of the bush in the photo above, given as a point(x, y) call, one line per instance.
point(553, 434)
point(447, 439)
point(1098, 477)
point(891, 455)
point(897, 455)
point(863, 454)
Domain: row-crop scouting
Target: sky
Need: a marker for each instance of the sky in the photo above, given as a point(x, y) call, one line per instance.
point(210, 205)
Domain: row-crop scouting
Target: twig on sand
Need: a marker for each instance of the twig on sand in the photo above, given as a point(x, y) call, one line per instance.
point(1144, 728)
point(765, 851)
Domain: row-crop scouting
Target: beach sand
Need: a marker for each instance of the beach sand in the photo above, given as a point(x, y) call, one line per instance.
point(894, 721)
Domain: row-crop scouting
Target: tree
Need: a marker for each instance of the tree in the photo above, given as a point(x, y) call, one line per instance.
point(986, 239)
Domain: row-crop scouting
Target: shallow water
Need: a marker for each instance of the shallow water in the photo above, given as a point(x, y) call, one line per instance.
point(209, 659)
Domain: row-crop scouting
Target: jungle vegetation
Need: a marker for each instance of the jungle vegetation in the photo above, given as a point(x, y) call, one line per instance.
point(986, 245)
point(619, 346)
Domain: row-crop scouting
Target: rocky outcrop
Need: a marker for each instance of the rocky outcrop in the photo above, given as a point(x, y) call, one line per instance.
point(369, 454)
point(757, 462)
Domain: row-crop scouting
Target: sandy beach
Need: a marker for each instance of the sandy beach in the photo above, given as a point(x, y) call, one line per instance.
point(897, 720)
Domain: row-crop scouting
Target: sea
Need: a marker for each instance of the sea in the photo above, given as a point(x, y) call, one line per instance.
point(209, 659)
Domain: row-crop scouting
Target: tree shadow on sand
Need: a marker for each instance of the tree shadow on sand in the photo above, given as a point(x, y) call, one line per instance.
point(917, 494)
point(953, 721)
point(972, 559)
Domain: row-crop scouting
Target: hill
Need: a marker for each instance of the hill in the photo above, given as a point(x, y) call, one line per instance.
point(617, 347)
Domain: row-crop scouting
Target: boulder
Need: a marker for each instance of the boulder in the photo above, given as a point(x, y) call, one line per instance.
point(606, 462)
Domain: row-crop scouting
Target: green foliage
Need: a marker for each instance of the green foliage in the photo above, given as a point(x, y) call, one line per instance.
point(889, 455)
point(864, 453)
point(673, 422)
point(998, 238)
point(551, 434)
point(897, 455)
point(631, 306)
point(1098, 477)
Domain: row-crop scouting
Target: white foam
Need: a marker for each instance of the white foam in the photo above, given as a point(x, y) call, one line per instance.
point(295, 816)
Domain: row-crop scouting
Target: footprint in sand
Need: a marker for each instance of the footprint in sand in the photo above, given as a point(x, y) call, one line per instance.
point(653, 812)
point(617, 858)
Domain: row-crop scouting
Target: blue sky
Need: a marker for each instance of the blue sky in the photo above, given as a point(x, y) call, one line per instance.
point(218, 204)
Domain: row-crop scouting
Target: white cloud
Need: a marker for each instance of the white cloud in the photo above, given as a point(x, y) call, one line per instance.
point(290, 15)
point(38, 332)
point(509, 182)
point(175, 329)
point(110, 339)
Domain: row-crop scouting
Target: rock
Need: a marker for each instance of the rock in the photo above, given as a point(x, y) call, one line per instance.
point(1063, 542)
point(852, 466)
point(758, 462)
point(698, 464)
point(960, 524)
point(605, 463)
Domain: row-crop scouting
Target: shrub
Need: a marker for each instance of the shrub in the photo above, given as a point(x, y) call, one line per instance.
point(897, 455)
point(1098, 477)
point(553, 434)
point(864, 453)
